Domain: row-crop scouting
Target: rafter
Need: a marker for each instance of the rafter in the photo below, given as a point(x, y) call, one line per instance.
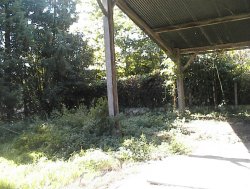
point(202, 23)
point(144, 26)
point(228, 46)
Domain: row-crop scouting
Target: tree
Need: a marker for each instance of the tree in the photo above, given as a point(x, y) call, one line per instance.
point(39, 59)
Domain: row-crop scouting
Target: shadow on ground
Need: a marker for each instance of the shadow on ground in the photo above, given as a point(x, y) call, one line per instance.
point(236, 161)
point(241, 127)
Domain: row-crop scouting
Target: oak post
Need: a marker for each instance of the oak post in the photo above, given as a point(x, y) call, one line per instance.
point(108, 23)
point(180, 84)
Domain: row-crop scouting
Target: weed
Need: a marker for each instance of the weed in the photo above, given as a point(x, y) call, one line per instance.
point(177, 147)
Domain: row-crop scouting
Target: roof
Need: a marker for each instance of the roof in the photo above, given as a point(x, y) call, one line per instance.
point(192, 26)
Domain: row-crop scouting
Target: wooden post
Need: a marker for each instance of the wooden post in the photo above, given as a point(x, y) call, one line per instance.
point(108, 24)
point(180, 84)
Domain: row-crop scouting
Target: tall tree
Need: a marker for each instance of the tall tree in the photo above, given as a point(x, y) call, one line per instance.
point(39, 58)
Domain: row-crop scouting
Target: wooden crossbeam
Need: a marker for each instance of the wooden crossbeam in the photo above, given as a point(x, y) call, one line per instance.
point(228, 46)
point(144, 26)
point(202, 23)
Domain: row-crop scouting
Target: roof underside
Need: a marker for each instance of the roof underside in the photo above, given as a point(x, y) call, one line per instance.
point(192, 26)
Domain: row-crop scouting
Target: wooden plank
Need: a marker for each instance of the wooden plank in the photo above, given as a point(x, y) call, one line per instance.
point(228, 46)
point(144, 26)
point(110, 59)
point(202, 23)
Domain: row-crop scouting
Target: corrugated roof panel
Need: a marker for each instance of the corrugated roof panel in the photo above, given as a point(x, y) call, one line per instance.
point(194, 37)
point(199, 10)
point(197, 39)
point(174, 40)
point(169, 12)
point(219, 33)
point(240, 30)
point(160, 13)
point(231, 7)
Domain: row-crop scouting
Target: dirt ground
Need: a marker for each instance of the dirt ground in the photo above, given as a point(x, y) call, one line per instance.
point(220, 159)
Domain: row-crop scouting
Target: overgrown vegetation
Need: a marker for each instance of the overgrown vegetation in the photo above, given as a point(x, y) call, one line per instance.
point(81, 142)
point(53, 128)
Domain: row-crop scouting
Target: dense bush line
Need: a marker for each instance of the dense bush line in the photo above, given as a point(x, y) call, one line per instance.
point(135, 91)
point(151, 91)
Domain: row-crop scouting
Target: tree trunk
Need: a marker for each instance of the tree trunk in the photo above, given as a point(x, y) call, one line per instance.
point(236, 94)
point(214, 92)
point(7, 30)
point(174, 97)
point(190, 100)
point(7, 45)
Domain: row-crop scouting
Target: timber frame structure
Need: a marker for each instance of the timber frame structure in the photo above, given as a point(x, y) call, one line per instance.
point(180, 28)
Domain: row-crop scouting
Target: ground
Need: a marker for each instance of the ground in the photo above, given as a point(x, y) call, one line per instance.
point(220, 158)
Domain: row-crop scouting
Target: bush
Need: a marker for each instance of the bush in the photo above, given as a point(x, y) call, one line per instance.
point(136, 149)
point(177, 147)
point(143, 124)
point(68, 133)
point(135, 91)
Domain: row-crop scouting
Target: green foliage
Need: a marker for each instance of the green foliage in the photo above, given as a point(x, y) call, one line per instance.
point(143, 124)
point(97, 160)
point(67, 133)
point(210, 79)
point(177, 147)
point(6, 185)
point(135, 91)
point(39, 59)
point(70, 131)
point(136, 149)
point(75, 143)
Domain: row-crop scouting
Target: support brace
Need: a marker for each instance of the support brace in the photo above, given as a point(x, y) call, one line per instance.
point(114, 2)
point(104, 11)
point(190, 61)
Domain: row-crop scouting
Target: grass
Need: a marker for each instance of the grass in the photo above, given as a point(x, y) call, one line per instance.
point(78, 144)
point(46, 173)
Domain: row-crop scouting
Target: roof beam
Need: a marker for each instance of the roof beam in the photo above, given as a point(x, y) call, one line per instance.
point(228, 46)
point(144, 26)
point(202, 23)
